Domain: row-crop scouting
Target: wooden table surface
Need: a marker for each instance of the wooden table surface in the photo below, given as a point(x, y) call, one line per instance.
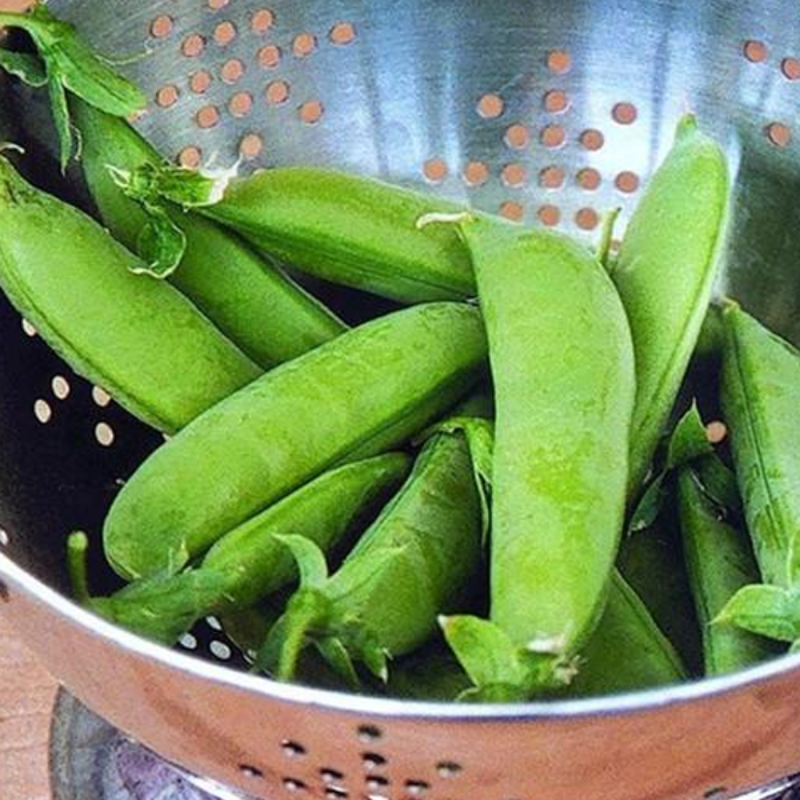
point(27, 693)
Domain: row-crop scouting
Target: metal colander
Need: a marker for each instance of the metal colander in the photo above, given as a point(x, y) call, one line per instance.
point(549, 112)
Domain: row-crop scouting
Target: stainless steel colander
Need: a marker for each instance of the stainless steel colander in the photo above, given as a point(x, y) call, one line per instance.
point(546, 111)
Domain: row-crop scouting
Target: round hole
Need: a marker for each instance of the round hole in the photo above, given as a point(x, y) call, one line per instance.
point(553, 136)
point(559, 62)
point(587, 219)
point(342, 33)
point(329, 775)
point(514, 175)
point(28, 329)
point(755, 51)
point(3, 538)
point(304, 44)
point(104, 434)
point(627, 182)
point(716, 432)
point(592, 139)
point(232, 70)
point(369, 733)
point(335, 793)
point(373, 760)
point(214, 623)
point(512, 210)
point(292, 749)
point(200, 82)
point(293, 785)
point(61, 387)
point(517, 136)
point(311, 112)
point(100, 397)
point(549, 215)
point(589, 179)
point(376, 782)
point(220, 650)
point(241, 104)
point(225, 33)
point(490, 106)
point(193, 45)
point(448, 769)
point(249, 771)
point(277, 92)
point(270, 56)
point(552, 177)
point(251, 146)
point(476, 173)
point(416, 787)
point(624, 113)
point(188, 642)
point(42, 411)
point(556, 101)
point(779, 134)
point(435, 170)
point(161, 26)
point(262, 20)
point(207, 117)
point(167, 96)
point(791, 68)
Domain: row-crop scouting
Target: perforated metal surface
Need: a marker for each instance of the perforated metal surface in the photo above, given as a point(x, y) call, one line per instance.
point(550, 112)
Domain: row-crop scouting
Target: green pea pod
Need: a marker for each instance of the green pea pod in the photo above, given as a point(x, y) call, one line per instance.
point(361, 394)
point(628, 652)
point(69, 65)
point(253, 303)
point(665, 274)
point(139, 339)
point(350, 230)
point(249, 563)
point(413, 563)
point(720, 562)
point(760, 401)
point(562, 362)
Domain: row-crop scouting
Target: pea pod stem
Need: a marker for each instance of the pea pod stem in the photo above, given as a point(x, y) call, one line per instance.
point(361, 394)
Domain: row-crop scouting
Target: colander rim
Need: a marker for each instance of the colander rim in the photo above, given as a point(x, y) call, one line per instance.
point(632, 702)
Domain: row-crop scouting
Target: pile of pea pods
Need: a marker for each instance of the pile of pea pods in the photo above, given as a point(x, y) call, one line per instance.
point(550, 471)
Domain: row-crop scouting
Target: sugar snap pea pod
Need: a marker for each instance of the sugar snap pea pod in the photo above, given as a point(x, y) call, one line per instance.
point(349, 230)
point(414, 562)
point(720, 562)
point(361, 394)
point(562, 362)
point(140, 339)
point(628, 652)
point(249, 563)
point(68, 64)
point(665, 273)
point(252, 302)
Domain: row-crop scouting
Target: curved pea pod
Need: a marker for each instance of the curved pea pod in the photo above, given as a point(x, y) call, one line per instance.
point(720, 562)
point(249, 563)
point(359, 395)
point(350, 230)
point(140, 339)
point(252, 302)
point(413, 563)
point(665, 274)
point(562, 362)
point(628, 652)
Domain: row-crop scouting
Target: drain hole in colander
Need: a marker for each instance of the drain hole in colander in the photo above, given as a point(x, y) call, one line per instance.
point(292, 749)
point(376, 782)
point(249, 771)
point(336, 793)
point(4, 538)
point(448, 769)
point(715, 792)
point(416, 787)
point(294, 785)
point(329, 775)
point(369, 733)
point(373, 760)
